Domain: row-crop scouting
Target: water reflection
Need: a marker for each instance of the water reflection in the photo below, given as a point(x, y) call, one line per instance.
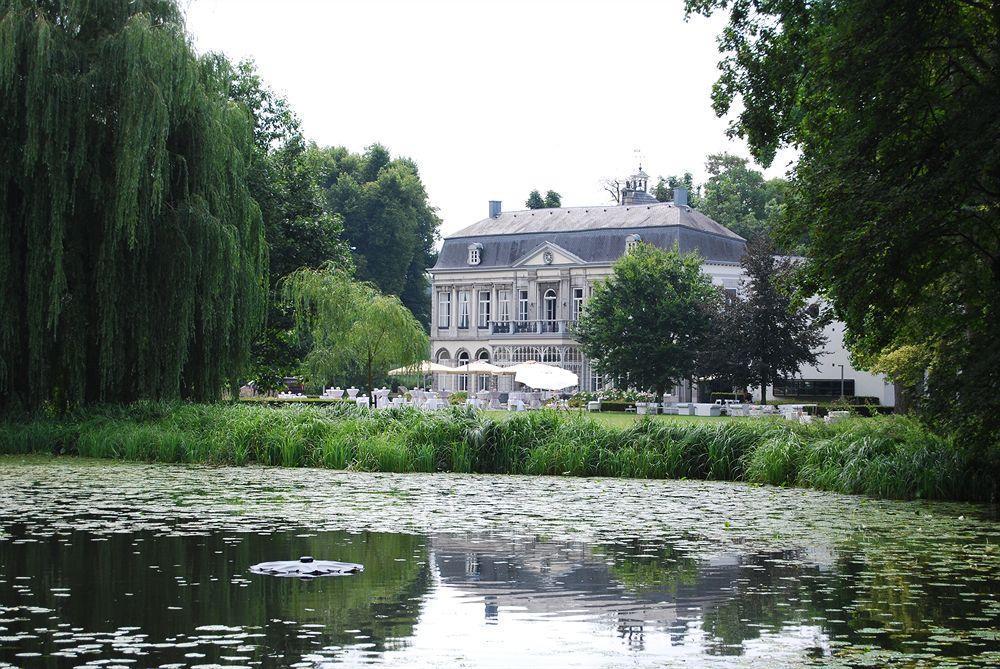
point(190, 599)
point(88, 578)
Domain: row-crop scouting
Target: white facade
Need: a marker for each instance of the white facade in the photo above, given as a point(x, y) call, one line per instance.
point(509, 288)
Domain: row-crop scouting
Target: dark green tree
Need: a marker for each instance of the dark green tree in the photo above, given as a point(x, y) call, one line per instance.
point(535, 200)
point(300, 232)
point(723, 358)
point(740, 198)
point(664, 189)
point(388, 222)
point(892, 104)
point(132, 255)
point(777, 334)
point(646, 323)
point(553, 200)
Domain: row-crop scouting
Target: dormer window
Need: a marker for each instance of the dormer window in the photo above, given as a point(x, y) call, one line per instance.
point(631, 242)
point(475, 253)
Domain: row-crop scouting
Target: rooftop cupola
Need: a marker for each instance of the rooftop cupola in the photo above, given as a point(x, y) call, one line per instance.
point(634, 191)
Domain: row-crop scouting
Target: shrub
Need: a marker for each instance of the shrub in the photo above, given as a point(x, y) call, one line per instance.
point(884, 456)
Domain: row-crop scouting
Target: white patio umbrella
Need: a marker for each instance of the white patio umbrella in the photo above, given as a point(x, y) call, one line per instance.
point(477, 367)
point(425, 367)
point(546, 377)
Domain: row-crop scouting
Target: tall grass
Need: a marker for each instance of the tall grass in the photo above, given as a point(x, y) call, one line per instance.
point(884, 457)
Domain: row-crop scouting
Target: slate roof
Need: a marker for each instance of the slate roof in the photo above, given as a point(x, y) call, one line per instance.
point(595, 234)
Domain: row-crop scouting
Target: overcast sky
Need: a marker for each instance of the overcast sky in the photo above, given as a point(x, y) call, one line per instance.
point(491, 98)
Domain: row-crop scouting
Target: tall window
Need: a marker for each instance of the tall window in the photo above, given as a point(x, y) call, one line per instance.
point(577, 303)
point(484, 308)
point(522, 305)
point(463, 309)
point(483, 380)
point(503, 306)
point(550, 305)
point(444, 309)
point(463, 379)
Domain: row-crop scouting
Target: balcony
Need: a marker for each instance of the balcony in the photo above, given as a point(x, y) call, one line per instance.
point(531, 328)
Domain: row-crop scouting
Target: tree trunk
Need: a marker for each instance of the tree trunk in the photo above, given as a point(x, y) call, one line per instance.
point(763, 388)
point(371, 384)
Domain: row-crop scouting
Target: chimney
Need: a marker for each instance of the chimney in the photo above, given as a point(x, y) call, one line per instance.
point(681, 197)
point(494, 208)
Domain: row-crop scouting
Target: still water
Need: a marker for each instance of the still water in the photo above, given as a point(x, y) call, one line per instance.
point(122, 565)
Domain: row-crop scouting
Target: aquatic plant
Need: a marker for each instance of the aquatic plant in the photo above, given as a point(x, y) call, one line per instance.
point(889, 456)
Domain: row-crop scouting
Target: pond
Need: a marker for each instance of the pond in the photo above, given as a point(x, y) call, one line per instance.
point(129, 565)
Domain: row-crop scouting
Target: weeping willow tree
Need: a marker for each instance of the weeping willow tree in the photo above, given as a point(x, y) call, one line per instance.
point(351, 326)
point(132, 258)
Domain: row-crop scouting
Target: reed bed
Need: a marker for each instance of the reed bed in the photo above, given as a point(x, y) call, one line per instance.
point(893, 457)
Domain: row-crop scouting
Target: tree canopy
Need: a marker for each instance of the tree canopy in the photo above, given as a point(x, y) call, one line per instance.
point(388, 222)
point(350, 326)
point(892, 104)
point(647, 322)
point(664, 189)
point(740, 198)
point(132, 254)
point(552, 200)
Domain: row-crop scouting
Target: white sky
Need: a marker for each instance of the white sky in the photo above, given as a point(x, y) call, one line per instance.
point(491, 98)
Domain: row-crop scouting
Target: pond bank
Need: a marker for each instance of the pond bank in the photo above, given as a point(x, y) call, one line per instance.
point(891, 457)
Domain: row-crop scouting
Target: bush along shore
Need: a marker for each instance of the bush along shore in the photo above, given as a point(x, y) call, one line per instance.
point(893, 457)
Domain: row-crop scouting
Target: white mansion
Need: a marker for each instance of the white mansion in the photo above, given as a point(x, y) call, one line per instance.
point(508, 288)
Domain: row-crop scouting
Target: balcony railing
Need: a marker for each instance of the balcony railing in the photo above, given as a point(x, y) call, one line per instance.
point(537, 327)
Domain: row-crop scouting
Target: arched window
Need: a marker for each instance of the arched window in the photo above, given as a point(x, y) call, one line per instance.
point(463, 379)
point(483, 380)
point(550, 305)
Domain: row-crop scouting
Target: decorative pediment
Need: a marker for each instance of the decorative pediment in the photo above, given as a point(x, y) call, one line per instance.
point(548, 254)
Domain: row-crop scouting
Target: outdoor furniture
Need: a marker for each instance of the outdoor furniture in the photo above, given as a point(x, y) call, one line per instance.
point(352, 392)
point(702, 409)
point(363, 401)
point(494, 402)
point(837, 416)
point(594, 406)
point(685, 409)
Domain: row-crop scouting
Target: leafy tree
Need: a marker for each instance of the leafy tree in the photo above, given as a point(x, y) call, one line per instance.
point(132, 256)
point(535, 200)
point(299, 230)
point(553, 200)
point(723, 356)
point(351, 326)
point(892, 104)
point(777, 334)
point(647, 322)
point(664, 189)
point(740, 198)
point(387, 219)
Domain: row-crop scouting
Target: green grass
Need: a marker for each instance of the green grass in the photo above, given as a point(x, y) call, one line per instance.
point(883, 457)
